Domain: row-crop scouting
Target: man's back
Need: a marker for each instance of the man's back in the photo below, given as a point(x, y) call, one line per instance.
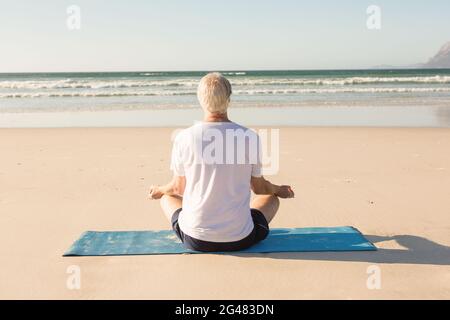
point(216, 163)
point(218, 160)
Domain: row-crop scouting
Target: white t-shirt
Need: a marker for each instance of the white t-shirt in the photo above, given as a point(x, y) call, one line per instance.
point(218, 160)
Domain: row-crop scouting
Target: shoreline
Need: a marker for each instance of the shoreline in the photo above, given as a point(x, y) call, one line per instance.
point(419, 116)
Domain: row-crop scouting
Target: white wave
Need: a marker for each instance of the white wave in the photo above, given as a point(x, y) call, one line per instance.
point(342, 81)
point(193, 82)
point(241, 73)
point(152, 74)
point(94, 84)
point(342, 90)
point(92, 94)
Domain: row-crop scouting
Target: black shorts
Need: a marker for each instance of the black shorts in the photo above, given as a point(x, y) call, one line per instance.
point(259, 232)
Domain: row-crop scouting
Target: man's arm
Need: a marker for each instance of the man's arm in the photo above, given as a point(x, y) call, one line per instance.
point(175, 187)
point(261, 186)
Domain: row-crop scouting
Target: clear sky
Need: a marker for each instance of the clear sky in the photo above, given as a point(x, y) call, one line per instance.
point(118, 35)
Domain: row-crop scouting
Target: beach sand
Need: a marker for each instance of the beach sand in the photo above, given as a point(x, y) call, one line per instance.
point(391, 184)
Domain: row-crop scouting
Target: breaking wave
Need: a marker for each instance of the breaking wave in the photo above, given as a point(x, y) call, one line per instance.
point(193, 82)
point(61, 94)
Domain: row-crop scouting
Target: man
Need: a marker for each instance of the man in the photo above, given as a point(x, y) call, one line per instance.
point(208, 199)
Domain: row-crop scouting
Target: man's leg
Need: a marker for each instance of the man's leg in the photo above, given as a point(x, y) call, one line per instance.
point(170, 204)
point(268, 205)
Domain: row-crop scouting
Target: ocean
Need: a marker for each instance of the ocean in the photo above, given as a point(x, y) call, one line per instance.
point(323, 90)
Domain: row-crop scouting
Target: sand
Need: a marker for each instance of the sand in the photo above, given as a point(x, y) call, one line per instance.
point(392, 184)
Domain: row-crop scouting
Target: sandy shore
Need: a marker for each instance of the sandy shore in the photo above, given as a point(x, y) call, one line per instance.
point(392, 184)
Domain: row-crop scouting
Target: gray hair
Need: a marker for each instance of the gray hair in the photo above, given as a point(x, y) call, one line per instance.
point(214, 93)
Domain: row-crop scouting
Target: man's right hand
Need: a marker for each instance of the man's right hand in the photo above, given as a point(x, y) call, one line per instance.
point(285, 192)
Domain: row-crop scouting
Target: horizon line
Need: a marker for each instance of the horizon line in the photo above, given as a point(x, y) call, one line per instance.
point(227, 70)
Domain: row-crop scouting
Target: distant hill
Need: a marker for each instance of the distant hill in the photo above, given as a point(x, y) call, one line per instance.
point(441, 59)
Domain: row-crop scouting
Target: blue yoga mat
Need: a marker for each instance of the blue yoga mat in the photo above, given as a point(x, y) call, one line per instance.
point(113, 243)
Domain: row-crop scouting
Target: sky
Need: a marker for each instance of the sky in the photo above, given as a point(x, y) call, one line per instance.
point(156, 35)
